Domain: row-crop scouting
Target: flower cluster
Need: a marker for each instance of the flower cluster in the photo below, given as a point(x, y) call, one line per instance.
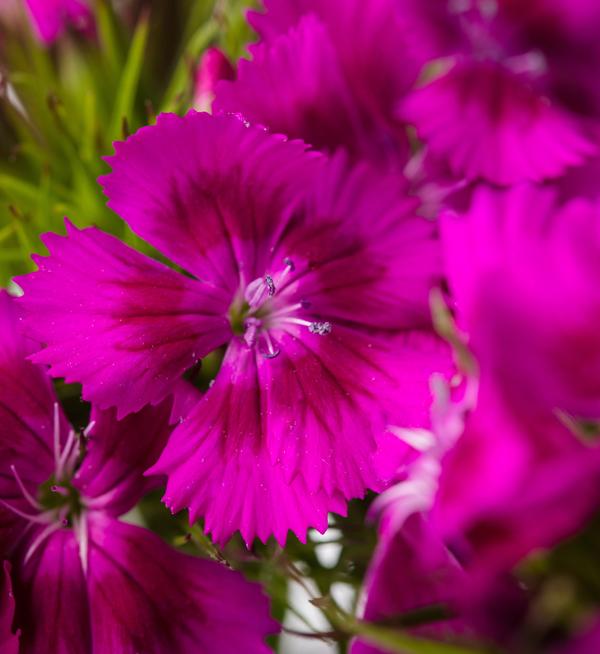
point(386, 230)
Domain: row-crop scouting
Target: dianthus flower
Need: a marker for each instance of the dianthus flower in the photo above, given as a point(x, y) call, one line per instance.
point(52, 17)
point(506, 467)
point(525, 473)
point(496, 105)
point(313, 275)
point(330, 72)
point(412, 569)
point(85, 582)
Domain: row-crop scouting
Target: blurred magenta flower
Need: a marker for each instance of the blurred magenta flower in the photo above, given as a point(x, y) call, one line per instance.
point(412, 571)
point(330, 73)
point(526, 298)
point(83, 580)
point(506, 117)
point(500, 473)
point(51, 18)
point(313, 275)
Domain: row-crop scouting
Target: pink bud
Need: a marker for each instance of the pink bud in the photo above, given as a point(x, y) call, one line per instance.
point(212, 68)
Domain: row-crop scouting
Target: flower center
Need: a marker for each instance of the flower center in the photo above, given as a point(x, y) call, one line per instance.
point(58, 503)
point(60, 497)
point(268, 304)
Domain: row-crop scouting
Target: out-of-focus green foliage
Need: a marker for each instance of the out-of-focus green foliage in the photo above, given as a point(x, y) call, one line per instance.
point(62, 107)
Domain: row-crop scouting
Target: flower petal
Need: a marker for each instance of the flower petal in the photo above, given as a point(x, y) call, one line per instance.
point(51, 17)
point(277, 443)
point(494, 126)
point(147, 597)
point(297, 85)
point(412, 570)
point(530, 483)
point(120, 323)
point(524, 271)
point(26, 397)
point(369, 38)
point(9, 641)
point(208, 192)
point(27, 412)
point(118, 453)
point(363, 257)
point(52, 603)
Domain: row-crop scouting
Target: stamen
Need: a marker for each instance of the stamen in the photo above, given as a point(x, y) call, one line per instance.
point(41, 519)
point(56, 435)
point(255, 291)
point(88, 429)
point(46, 533)
point(289, 268)
point(252, 325)
point(26, 494)
point(270, 285)
point(59, 490)
point(66, 454)
point(298, 321)
point(286, 309)
point(272, 351)
point(320, 328)
point(81, 535)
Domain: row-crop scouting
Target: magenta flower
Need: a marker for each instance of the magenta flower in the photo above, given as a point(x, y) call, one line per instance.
point(331, 73)
point(501, 472)
point(83, 580)
point(413, 567)
point(412, 570)
point(52, 17)
point(311, 274)
point(496, 110)
point(526, 298)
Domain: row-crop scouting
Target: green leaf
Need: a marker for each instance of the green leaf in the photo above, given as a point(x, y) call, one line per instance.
point(181, 80)
point(396, 642)
point(109, 36)
point(128, 86)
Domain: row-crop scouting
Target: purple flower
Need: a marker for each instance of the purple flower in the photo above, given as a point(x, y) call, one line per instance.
point(506, 467)
point(496, 110)
point(412, 570)
point(331, 73)
point(52, 17)
point(312, 274)
point(527, 298)
point(83, 580)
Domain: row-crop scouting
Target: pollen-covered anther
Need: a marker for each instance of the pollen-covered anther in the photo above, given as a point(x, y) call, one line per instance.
point(320, 328)
point(270, 285)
